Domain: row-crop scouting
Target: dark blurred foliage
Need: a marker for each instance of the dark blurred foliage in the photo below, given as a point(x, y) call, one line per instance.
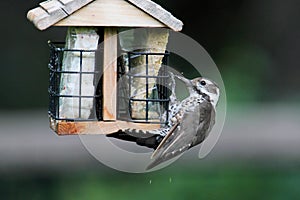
point(254, 43)
point(24, 56)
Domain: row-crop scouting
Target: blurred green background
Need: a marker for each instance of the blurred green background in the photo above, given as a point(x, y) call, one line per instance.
point(255, 45)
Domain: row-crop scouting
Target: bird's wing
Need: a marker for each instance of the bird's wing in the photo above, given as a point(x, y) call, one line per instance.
point(207, 121)
point(184, 135)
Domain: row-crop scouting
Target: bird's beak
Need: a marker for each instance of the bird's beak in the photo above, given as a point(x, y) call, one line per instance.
point(185, 80)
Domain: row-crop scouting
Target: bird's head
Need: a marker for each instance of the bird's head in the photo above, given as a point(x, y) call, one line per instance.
point(208, 87)
point(205, 86)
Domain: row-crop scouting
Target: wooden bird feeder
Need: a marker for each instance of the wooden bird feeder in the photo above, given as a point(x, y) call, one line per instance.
point(95, 89)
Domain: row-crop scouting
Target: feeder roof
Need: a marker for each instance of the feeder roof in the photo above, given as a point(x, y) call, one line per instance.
point(117, 13)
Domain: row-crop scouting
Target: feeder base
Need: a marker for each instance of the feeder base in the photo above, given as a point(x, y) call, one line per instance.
point(62, 127)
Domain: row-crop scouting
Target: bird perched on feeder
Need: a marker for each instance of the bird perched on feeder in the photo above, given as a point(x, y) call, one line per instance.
point(189, 121)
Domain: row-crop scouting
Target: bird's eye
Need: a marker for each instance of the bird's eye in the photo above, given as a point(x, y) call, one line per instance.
point(203, 83)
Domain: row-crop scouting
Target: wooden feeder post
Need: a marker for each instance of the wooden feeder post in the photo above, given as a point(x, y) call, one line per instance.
point(111, 15)
point(110, 74)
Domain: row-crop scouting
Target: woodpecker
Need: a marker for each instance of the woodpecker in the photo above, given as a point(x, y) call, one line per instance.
point(191, 120)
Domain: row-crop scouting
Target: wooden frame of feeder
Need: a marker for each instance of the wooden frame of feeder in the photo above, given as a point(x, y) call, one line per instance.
point(108, 14)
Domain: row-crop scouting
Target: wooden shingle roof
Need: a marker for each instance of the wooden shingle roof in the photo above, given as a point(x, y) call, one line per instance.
point(119, 13)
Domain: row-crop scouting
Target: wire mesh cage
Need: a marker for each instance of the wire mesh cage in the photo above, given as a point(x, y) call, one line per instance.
point(143, 93)
point(74, 91)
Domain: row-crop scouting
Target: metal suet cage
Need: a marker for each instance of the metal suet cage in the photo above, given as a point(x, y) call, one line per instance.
point(158, 97)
